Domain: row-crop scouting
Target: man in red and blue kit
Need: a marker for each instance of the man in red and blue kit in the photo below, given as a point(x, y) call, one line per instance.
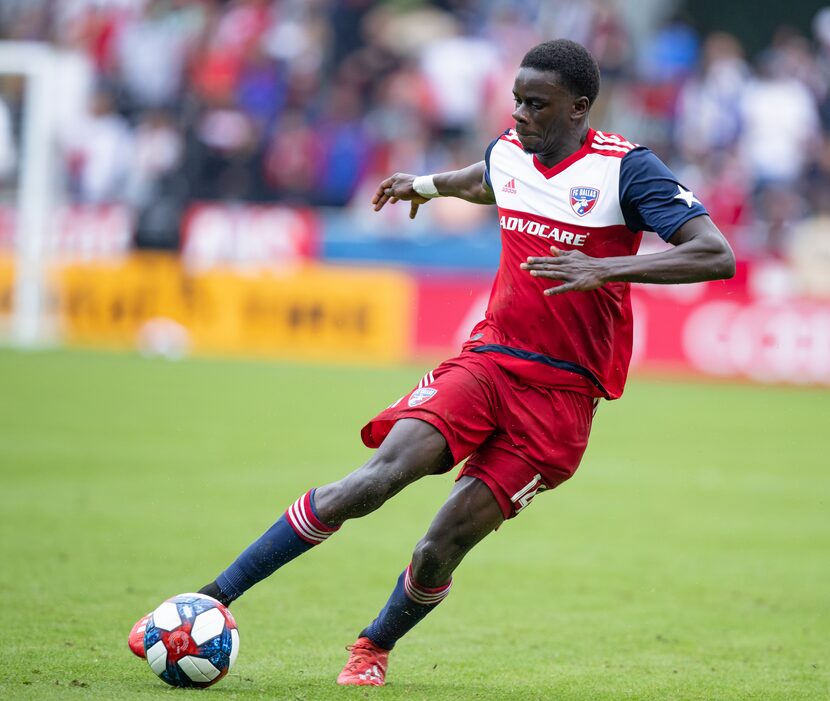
point(518, 401)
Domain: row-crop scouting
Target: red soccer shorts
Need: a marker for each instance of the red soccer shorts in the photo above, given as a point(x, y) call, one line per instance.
point(520, 439)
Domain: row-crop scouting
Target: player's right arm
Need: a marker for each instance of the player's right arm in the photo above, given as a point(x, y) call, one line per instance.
point(469, 184)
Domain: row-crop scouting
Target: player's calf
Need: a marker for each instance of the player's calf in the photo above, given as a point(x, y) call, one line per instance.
point(297, 531)
point(468, 516)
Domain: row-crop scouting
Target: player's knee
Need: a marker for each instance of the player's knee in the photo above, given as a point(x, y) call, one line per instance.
point(434, 560)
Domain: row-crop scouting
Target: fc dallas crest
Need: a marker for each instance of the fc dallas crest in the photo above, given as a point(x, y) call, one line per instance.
point(421, 395)
point(583, 199)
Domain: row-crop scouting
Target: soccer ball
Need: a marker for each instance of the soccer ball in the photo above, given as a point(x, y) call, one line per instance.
point(191, 640)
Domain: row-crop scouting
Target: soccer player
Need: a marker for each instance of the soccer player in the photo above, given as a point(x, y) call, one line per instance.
point(519, 399)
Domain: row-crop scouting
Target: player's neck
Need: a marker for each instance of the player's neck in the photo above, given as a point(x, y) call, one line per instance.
point(569, 145)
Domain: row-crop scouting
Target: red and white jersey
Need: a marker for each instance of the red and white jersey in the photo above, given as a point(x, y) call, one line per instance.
point(598, 201)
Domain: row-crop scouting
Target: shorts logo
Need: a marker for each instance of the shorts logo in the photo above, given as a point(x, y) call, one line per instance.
point(421, 395)
point(583, 199)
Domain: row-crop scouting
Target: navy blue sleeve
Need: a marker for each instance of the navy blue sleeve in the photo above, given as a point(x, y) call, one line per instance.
point(651, 197)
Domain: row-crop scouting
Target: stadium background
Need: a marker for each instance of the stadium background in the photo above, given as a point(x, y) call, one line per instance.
point(210, 166)
point(244, 141)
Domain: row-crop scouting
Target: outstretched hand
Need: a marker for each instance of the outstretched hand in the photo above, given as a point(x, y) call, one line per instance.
point(574, 269)
point(398, 187)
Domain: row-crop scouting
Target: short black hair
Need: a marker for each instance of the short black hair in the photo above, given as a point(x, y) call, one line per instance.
point(577, 69)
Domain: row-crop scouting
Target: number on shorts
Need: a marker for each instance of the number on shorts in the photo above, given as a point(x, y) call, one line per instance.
point(525, 495)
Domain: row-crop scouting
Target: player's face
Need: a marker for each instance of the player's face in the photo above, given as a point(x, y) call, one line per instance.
point(545, 110)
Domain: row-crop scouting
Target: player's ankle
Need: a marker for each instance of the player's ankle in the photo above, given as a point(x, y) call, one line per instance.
point(215, 591)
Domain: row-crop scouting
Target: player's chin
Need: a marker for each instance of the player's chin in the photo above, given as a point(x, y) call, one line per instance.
point(530, 144)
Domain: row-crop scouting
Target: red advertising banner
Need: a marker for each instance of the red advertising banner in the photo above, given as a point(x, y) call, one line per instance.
point(262, 236)
point(446, 308)
point(739, 328)
point(762, 340)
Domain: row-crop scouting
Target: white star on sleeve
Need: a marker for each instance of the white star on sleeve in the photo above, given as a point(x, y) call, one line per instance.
point(686, 196)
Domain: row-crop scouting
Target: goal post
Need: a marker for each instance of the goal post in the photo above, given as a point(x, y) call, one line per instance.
point(34, 201)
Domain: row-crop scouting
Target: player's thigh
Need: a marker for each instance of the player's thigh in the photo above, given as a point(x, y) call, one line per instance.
point(413, 448)
point(430, 429)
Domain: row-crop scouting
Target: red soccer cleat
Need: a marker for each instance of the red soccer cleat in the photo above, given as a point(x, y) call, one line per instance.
point(366, 666)
point(136, 637)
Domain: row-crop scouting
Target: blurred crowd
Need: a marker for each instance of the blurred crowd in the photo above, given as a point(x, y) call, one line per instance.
point(163, 102)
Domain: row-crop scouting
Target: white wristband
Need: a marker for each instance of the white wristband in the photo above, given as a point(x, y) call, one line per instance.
point(424, 185)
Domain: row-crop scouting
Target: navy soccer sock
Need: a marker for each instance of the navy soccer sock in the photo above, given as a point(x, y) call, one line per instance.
point(409, 604)
point(295, 532)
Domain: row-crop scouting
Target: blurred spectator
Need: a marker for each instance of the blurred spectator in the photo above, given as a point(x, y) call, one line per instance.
point(451, 63)
point(152, 51)
point(291, 158)
point(156, 188)
point(157, 152)
point(345, 148)
point(224, 154)
point(780, 125)
point(262, 86)
point(708, 115)
point(299, 35)
point(100, 153)
point(312, 101)
point(74, 81)
point(780, 132)
point(671, 52)
point(644, 107)
point(8, 152)
point(821, 31)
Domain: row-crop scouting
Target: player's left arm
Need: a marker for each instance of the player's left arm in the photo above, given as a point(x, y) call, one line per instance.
point(652, 199)
point(700, 253)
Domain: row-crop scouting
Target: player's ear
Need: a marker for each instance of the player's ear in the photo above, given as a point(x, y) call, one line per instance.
point(580, 107)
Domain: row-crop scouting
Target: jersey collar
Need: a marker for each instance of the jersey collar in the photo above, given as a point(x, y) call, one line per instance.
point(570, 160)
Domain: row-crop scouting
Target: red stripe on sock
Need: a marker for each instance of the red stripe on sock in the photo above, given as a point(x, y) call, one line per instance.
point(307, 526)
point(316, 522)
point(424, 595)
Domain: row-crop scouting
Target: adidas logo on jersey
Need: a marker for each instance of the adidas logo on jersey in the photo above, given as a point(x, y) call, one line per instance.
point(510, 187)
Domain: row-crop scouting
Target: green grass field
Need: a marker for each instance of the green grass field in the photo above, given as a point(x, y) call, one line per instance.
point(688, 559)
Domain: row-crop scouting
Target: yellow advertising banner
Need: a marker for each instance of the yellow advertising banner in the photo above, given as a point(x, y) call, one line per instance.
point(313, 312)
point(6, 286)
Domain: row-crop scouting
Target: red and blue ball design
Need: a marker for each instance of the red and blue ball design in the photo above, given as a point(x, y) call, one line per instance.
point(191, 640)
